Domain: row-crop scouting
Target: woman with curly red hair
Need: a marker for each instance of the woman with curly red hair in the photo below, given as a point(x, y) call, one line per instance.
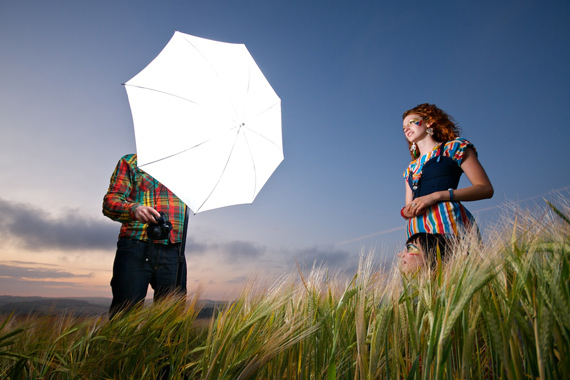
point(439, 157)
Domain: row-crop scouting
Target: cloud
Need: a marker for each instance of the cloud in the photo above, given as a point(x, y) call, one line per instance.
point(241, 250)
point(31, 263)
point(359, 238)
point(237, 280)
point(328, 256)
point(233, 251)
point(35, 229)
point(49, 288)
point(14, 272)
point(195, 248)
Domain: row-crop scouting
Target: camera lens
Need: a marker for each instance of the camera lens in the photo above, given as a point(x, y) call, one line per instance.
point(160, 219)
point(154, 231)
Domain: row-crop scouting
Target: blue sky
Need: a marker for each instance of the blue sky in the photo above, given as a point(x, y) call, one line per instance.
point(345, 72)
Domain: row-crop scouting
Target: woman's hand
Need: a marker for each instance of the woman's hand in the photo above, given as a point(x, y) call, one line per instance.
point(420, 205)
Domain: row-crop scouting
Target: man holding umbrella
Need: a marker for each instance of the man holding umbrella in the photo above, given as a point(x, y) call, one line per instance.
point(149, 248)
point(208, 126)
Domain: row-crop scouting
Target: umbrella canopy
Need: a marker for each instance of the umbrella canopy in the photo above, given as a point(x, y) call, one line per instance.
point(207, 123)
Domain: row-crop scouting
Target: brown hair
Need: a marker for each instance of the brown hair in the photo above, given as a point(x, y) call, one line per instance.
point(445, 128)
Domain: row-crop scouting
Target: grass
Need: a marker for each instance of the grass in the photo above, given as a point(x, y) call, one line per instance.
point(499, 309)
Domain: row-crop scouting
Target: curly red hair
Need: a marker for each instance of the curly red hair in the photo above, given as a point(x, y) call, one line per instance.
point(445, 128)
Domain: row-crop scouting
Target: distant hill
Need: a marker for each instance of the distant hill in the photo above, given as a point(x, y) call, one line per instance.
point(91, 306)
point(81, 306)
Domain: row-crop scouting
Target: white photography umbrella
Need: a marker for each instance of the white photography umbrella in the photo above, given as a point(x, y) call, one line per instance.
point(207, 122)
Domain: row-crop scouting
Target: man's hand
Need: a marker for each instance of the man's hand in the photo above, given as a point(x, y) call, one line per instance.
point(145, 214)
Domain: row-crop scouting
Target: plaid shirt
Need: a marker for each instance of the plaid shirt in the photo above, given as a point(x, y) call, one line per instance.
point(131, 187)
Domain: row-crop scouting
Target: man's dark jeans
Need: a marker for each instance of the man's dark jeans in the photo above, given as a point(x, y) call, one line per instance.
point(138, 264)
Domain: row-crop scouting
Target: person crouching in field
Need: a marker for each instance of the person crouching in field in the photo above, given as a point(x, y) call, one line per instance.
point(423, 250)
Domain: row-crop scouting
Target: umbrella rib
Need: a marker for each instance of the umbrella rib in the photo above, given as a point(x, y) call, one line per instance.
point(185, 150)
point(214, 71)
point(162, 92)
point(253, 164)
point(261, 135)
point(180, 97)
point(268, 108)
point(224, 170)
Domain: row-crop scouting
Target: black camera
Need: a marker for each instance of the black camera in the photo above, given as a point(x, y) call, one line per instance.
point(159, 230)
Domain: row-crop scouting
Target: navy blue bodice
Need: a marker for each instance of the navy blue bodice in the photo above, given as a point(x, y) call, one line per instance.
point(439, 173)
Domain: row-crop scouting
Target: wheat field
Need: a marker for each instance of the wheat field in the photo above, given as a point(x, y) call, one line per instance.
point(497, 309)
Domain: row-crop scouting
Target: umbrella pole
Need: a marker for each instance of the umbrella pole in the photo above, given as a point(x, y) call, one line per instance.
point(181, 256)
